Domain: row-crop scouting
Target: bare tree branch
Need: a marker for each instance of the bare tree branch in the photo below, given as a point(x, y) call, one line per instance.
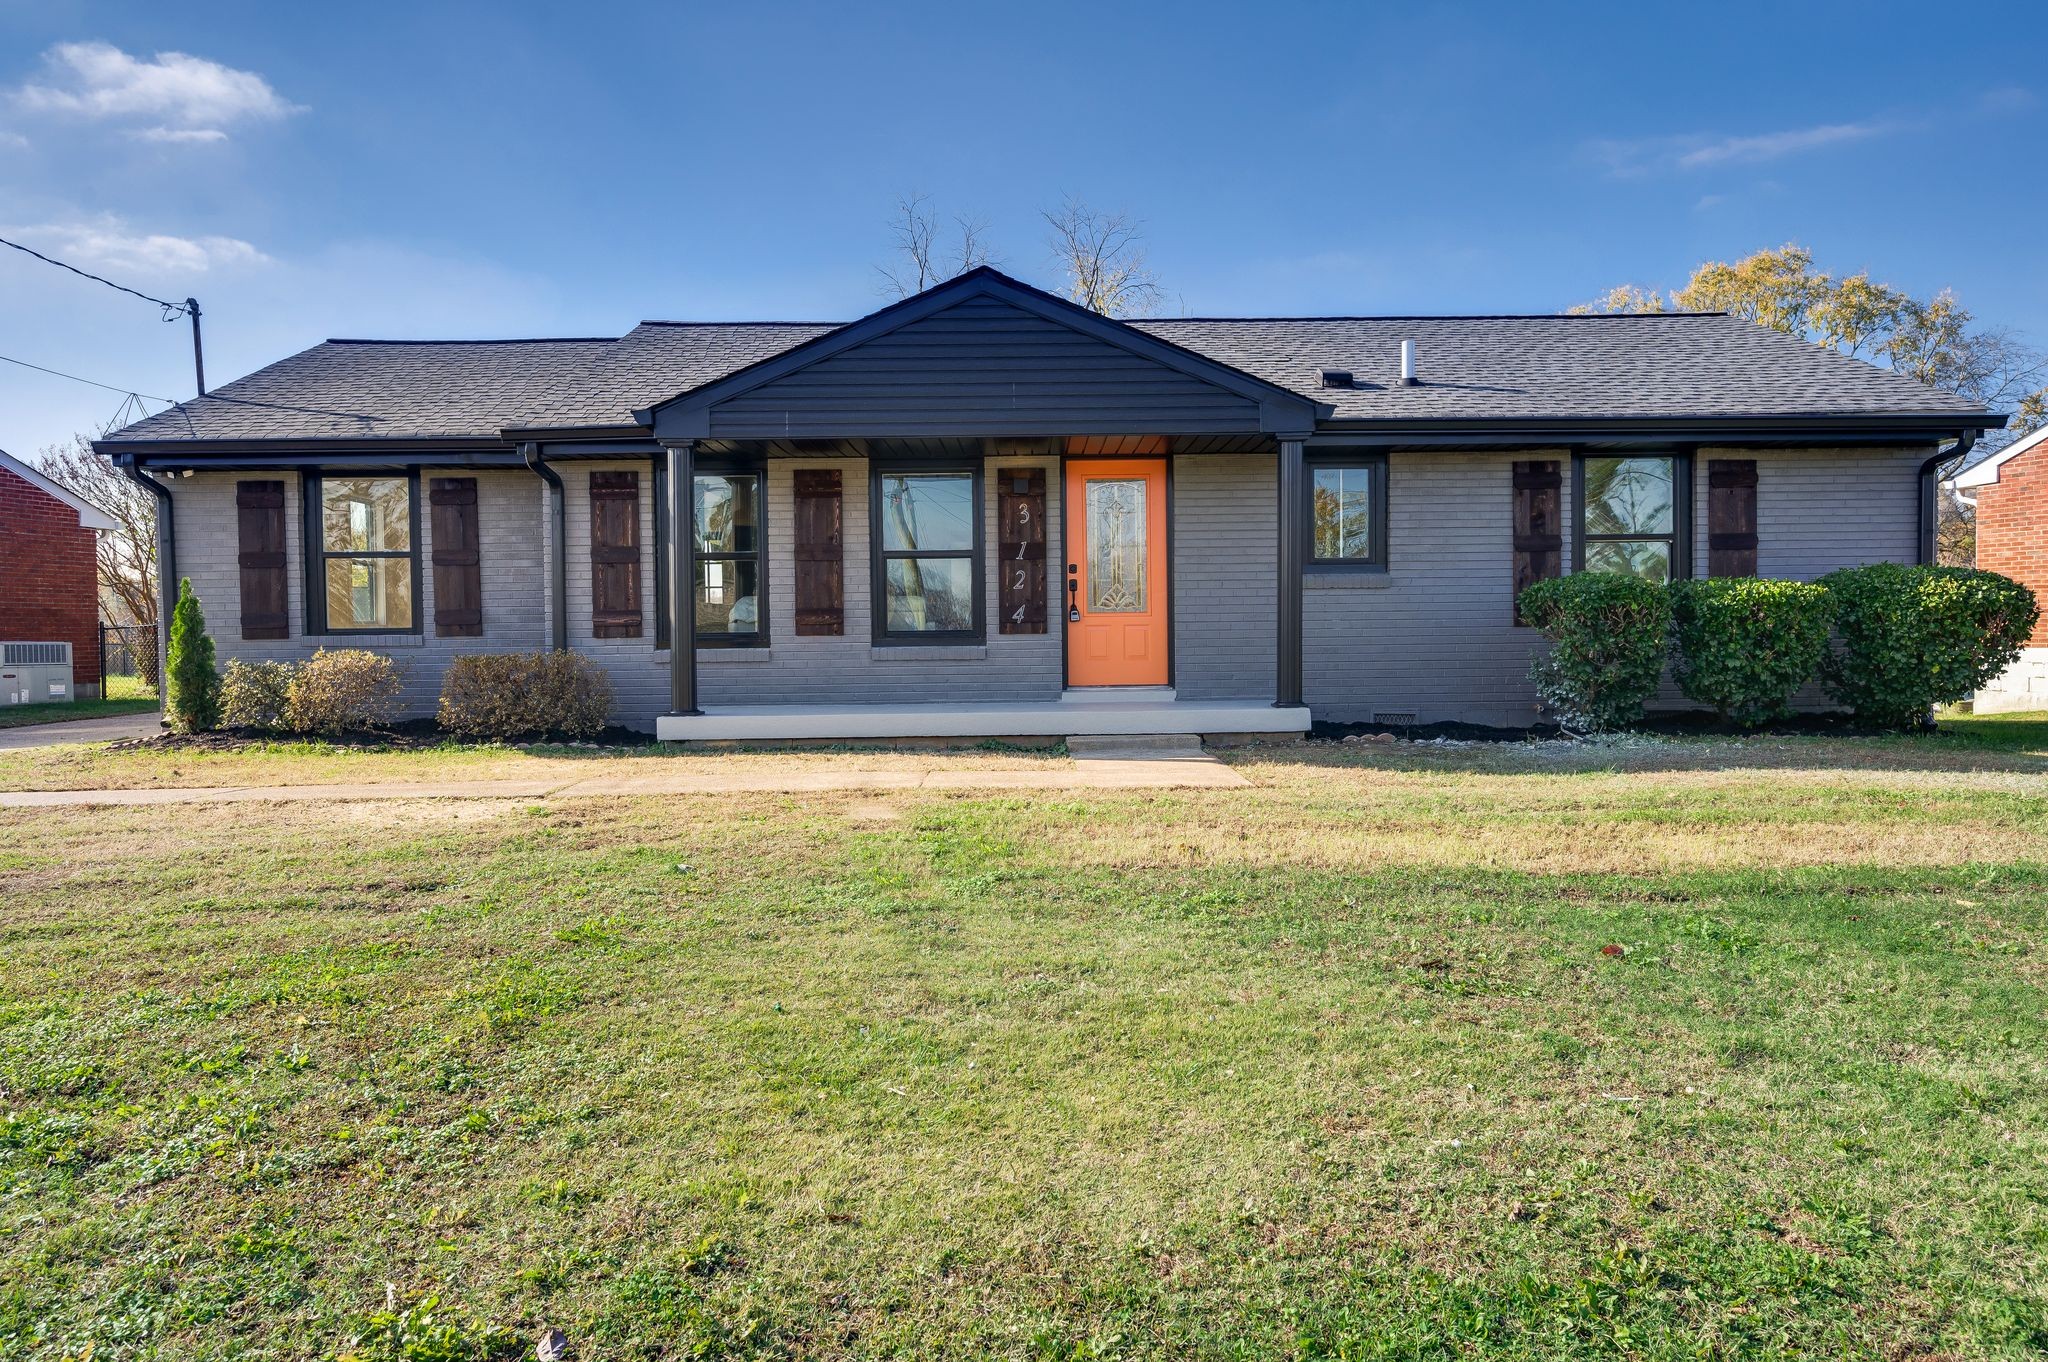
point(127, 553)
point(1103, 256)
point(916, 265)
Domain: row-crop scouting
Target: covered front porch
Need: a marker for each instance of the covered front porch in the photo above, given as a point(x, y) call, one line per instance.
point(988, 514)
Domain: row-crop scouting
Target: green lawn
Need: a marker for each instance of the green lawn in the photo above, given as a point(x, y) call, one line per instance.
point(1659, 1050)
point(123, 695)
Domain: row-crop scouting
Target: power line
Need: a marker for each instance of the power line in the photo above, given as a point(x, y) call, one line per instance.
point(172, 311)
point(126, 392)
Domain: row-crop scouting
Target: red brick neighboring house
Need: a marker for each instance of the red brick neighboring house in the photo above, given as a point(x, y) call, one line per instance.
point(48, 539)
point(2011, 492)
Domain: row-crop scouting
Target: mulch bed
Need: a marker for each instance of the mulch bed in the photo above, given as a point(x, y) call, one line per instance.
point(410, 735)
point(1678, 723)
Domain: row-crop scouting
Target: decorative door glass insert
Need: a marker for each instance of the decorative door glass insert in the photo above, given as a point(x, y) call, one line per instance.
point(1116, 545)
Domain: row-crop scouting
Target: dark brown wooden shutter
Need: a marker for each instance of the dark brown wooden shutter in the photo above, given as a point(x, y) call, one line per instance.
point(259, 516)
point(615, 555)
point(458, 563)
point(1539, 524)
point(1020, 548)
point(820, 553)
point(1731, 517)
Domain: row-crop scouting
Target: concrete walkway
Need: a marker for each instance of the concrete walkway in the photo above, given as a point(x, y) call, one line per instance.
point(112, 728)
point(1199, 771)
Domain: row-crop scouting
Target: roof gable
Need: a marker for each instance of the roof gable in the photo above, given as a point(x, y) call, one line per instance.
point(1984, 471)
point(90, 516)
point(982, 355)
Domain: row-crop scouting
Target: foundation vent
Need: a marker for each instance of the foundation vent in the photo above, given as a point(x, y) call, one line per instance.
point(1394, 718)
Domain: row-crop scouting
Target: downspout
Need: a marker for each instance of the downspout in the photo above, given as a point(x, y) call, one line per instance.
point(558, 548)
point(1930, 501)
point(166, 554)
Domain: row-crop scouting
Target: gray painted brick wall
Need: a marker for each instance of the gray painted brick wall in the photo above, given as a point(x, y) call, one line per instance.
point(1433, 636)
point(509, 517)
point(1225, 576)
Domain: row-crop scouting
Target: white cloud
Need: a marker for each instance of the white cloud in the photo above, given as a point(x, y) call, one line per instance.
point(1772, 145)
point(174, 91)
point(12, 139)
point(182, 135)
point(109, 243)
point(2006, 99)
point(1638, 157)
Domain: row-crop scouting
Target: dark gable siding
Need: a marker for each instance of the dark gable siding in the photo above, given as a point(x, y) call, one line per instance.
point(983, 367)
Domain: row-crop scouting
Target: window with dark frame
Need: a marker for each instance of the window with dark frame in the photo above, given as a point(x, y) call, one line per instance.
point(730, 592)
point(926, 528)
point(1347, 511)
point(363, 560)
point(1633, 515)
point(731, 521)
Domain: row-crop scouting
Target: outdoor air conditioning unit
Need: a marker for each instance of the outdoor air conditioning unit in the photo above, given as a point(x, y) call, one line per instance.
point(35, 673)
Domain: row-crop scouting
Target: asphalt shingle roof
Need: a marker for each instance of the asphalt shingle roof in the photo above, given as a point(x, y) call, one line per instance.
point(1597, 367)
point(1654, 365)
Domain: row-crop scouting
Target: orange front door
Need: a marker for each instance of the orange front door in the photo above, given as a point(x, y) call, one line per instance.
point(1116, 593)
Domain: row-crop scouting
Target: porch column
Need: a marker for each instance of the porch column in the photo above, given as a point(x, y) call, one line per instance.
point(1293, 550)
point(682, 576)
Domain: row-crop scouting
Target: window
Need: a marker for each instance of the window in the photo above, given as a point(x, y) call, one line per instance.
point(1347, 511)
point(730, 596)
point(364, 559)
point(1632, 517)
point(927, 560)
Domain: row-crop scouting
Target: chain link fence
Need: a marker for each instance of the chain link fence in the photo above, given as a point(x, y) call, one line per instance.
point(130, 650)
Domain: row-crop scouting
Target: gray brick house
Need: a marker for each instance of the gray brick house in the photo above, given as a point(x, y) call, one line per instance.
point(984, 511)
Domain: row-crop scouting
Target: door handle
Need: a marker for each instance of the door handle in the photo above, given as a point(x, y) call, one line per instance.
point(1073, 597)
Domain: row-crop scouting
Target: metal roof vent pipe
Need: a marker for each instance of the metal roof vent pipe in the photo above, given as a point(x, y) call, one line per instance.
point(1408, 379)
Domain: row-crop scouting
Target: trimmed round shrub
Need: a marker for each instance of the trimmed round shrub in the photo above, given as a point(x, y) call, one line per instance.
point(525, 695)
point(254, 694)
point(1911, 638)
point(1610, 635)
point(1744, 645)
point(342, 690)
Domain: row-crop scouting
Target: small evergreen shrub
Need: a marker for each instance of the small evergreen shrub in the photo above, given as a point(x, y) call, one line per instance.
point(193, 701)
point(1911, 638)
point(1744, 645)
point(254, 694)
point(1609, 634)
point(342, 690)
point(525, 695)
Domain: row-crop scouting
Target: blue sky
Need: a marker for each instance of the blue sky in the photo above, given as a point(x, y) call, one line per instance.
point(494, 169)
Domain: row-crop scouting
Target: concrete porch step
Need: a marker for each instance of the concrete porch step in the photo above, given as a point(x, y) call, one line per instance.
point(1135, 746)
point(1123, 717)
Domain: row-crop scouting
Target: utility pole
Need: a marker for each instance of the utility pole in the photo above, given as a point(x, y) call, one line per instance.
point(198, 355)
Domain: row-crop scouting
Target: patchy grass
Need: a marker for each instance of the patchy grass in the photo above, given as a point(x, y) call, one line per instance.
point(1651, 1050)
point(123, 695)
point(2020, 732)
point(314, 762)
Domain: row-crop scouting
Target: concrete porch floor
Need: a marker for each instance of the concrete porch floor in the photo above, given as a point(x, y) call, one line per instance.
point(1079, 714)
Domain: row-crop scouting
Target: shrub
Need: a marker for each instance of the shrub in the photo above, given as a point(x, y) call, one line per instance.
point(1609, 638)
point(1911, 638)
point(1744, 644)
point(525, 695)
point(254, 694)
point(343, 690)
point(193, 702)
